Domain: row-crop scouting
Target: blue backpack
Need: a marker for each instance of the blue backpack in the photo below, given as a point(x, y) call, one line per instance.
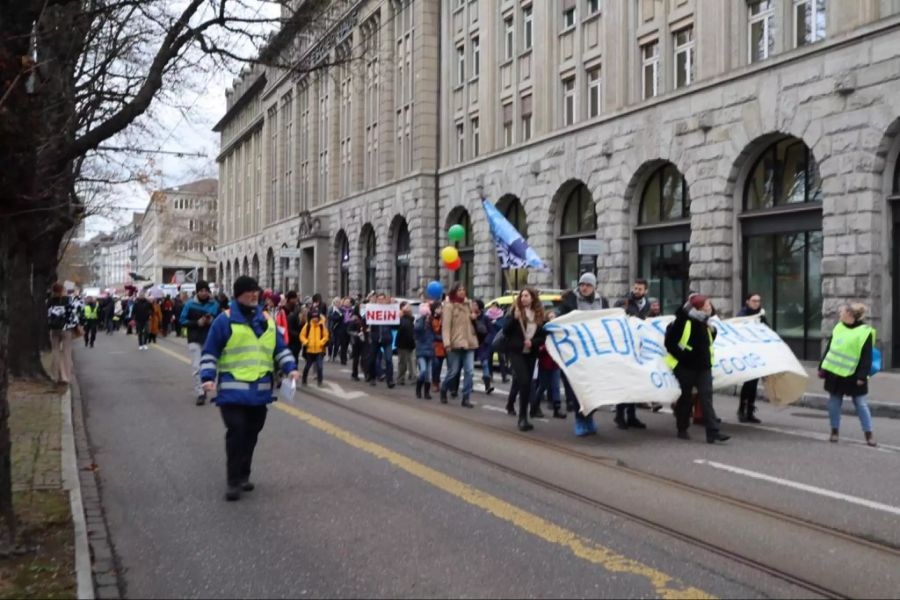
point(876, 361)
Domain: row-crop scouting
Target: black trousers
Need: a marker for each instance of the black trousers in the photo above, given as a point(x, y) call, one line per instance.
point(523, 367)
point(702, 380)
point(626, 412)
point(748, 393)
point(242, 427)
point(143, 333)
point(90, 332)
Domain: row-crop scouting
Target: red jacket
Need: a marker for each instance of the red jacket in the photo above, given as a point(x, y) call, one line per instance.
point(545, 363)
point(282, 324)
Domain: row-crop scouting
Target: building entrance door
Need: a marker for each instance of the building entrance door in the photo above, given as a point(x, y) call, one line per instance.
point(308, 272)
point(895, 252)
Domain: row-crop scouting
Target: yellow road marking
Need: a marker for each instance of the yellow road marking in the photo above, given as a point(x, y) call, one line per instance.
point(665, 585)
point(172, 353)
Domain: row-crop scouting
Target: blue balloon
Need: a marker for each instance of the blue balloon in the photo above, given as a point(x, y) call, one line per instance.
point(435, 290)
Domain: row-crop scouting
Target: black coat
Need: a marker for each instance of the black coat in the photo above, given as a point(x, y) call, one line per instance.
point(569, 302)
point(632, 309)
point(142, 310)
point(406, 335)
point(846, 386)
point(697, 358)
point(514, 333)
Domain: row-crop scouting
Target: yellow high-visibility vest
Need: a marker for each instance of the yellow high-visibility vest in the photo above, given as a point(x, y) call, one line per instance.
point(247, 357)
point(684, 344)
point(846, 348)
point(90, 312)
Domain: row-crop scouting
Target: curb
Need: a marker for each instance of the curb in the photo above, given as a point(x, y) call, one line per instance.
point(72, 484)
point(104, 573)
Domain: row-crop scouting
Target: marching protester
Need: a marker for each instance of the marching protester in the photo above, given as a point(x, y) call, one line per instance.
point(524, 333)
point(689, 342)
point(168, 310)
point(486, 332)
point(846, 367)
point(90, 319)
point(140, 314)
point(292, 315)
point(62, 319)
point(358, 334)
point(197, 316)
point(495, 316)
point(178, 307)
point(314, 339)
point(636, 304)
point(381, 347)
point(406, 344)
point(240, 357)
point(548, 378)
point(107, 308)
point(335, 319)
point(155, 319)
point(584, 298)
point(425, 348)
point(440, 352)
point(747, 406)
point(460, 342)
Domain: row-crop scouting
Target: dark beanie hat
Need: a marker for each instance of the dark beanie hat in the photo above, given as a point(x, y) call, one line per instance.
point(698, 300)
point(243, 284)
point(202, 285)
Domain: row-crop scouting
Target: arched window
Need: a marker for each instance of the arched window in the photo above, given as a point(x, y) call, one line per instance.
point(579, 222)
point(270, 269)
point(343, 245)
point(401, 257)
point(466, 248)
point(226, 282)
point(285, 264)
point(246, 269)
point(254, 268)
point(664, 237)
point(511, 207)
point(895, 211)
point(370, 258)
point(782, 232)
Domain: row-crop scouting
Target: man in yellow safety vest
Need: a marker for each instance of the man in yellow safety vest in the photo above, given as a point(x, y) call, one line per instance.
point(689, 341)
point(240, 356)
point(90, 318)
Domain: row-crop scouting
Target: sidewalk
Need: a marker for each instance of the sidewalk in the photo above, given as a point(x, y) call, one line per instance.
point(884, 394)
point(46, 566)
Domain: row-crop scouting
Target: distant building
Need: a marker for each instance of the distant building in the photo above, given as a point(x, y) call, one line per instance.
point(178, 233)
point(113, 256)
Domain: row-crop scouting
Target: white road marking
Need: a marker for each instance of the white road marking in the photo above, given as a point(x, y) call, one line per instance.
point(814, 435)
point(337, 390)
point(802, 486)
point(493, 408)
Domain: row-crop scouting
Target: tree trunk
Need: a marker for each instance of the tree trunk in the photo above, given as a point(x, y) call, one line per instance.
point(7, 516)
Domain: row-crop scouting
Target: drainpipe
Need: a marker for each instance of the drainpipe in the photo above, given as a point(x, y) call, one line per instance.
point(437, 143)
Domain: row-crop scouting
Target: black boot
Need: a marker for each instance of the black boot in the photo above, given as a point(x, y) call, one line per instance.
point(426, 387)
point(558, 414)
point(751, 413)
point(510, 409)
point(466, 403)
point(524, 425)
point(742, 411)
point(488, 388)
point(443, 396)
point(419, 389)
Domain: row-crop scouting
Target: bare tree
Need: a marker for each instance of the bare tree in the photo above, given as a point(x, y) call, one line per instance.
point(74, 74)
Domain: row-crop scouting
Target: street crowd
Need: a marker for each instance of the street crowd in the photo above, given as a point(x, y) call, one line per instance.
point(243, 347)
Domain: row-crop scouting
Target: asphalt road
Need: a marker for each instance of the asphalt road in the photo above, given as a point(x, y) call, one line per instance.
point(438, 501)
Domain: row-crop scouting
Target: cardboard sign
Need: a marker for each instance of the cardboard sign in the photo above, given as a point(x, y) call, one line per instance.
point(610, 357)
point(382, 314)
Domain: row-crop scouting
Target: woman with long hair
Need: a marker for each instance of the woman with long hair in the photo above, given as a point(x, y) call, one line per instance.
point(524, 332)
point(747, 407)
point(460, 341)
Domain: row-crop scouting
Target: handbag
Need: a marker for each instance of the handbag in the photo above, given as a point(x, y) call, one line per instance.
point(876, 362)
point(500, 343)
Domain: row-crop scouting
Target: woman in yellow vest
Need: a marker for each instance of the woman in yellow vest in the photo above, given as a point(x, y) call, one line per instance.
point(846, 365)
point(314, 337)
point(689, 342)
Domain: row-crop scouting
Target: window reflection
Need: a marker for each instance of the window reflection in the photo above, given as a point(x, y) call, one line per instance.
point(785, 173)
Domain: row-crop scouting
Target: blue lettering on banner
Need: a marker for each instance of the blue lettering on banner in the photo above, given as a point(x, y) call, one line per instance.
point(562, 341)
point(661, 379)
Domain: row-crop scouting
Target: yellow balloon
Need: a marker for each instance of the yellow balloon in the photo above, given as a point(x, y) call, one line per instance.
point(449, 254)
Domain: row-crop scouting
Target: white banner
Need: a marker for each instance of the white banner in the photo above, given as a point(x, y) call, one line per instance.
point(382, 314)
point(610, 358)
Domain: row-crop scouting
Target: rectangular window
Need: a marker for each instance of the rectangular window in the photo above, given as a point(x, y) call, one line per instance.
point(593, 7)
point(594, 87)
point(528, 21)
point(568, 101)
point(287, 203)
point(324, 136)
point(460, 65)
point(507, 125)
point(476, 57)
point(809, 22)
point(405, 88)
point(509, 38)
point(569, 16)
point(372, 45)
point(460, 142)
point(761, 29)
point(476, 135)
point(684, 57)
point(273, 168)
point(526, 118)
point(650, 69)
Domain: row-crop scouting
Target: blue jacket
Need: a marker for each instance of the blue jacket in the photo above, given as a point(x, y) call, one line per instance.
point(261, 391)
point(425, 338)
point(191, 313)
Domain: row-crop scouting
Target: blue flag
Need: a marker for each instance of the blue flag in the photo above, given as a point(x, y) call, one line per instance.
point(512, 249)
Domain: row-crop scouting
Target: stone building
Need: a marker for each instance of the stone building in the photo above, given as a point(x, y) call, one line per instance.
point(178, 232)
point(721, 146)
point(114, 256)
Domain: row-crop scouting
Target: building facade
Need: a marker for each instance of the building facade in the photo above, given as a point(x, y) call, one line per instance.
point(114, 256)
point(179, 232)
point(725, 147)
